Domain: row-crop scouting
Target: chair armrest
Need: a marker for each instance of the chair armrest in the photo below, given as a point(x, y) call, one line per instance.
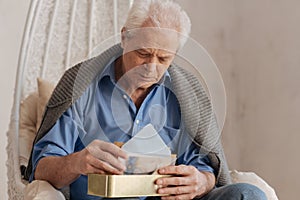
point(254, 179)
point(42, 190)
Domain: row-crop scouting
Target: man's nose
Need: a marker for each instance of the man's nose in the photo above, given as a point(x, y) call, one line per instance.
point(151, 63)
point(151, 67)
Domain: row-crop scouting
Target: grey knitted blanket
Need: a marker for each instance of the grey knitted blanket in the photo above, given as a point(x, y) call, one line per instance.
point(195, 107)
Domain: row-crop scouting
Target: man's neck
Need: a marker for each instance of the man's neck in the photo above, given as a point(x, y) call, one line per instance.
point(136, 94)
point(139, 95)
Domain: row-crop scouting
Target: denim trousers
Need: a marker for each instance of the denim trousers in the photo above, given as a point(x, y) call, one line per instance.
point(237, 191)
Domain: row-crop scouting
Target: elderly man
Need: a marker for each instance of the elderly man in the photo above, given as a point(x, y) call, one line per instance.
point(112, 97)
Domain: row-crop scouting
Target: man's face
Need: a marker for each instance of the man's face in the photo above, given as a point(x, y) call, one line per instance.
point(147, 56)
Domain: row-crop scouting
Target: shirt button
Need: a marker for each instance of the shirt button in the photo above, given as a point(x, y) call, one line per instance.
point(137, 121)
point(124, 96)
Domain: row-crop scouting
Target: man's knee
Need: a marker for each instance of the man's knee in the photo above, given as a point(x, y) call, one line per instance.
point(245, 191)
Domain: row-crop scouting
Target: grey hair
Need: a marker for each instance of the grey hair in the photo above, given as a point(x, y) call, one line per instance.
point(163, 13)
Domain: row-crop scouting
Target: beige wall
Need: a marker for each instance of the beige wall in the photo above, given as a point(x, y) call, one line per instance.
point(257, 48)
point(269, 62)
point(12, 19)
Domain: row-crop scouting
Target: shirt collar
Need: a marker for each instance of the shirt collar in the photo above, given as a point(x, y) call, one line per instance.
point(109, 70)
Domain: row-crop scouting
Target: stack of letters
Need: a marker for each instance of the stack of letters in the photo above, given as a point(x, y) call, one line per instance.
point(147, 152)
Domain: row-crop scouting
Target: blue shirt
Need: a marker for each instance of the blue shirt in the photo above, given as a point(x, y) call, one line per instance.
point(107, 113)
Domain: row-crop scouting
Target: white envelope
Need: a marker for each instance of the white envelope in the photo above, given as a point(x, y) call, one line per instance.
point(147, 152)
point(147, 142)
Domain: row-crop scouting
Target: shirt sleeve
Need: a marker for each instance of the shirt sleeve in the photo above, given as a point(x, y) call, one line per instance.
point(60, 140)
point(189, 154)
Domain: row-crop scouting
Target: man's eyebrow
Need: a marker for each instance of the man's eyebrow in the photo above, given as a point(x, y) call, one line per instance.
point(137, 47)
point(140, 49)
point(165, 54)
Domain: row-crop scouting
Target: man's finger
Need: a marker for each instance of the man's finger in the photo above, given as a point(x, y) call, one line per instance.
point(178, 197)
point(109, 158)
point(177, 170)
point(176, 190)
point(113, 149)
point(101, 165)
point(173, 181)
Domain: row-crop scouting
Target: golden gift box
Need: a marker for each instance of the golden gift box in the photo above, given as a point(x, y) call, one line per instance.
point(123, 185)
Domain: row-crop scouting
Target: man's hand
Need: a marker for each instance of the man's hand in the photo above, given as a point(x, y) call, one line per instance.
point(99, 157)
point(187, 182)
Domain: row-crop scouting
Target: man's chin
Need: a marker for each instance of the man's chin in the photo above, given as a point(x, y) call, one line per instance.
point(146, 85)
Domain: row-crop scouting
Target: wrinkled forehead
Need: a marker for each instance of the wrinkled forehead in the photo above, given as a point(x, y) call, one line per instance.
point(152, 38)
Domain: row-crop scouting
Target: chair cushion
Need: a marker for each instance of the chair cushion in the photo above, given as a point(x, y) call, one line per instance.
point(27, 126)
point(45, 89)
point(252, 178)
point(31, 111)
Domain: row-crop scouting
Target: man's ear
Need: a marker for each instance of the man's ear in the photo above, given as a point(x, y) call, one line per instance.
point(123, 36)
